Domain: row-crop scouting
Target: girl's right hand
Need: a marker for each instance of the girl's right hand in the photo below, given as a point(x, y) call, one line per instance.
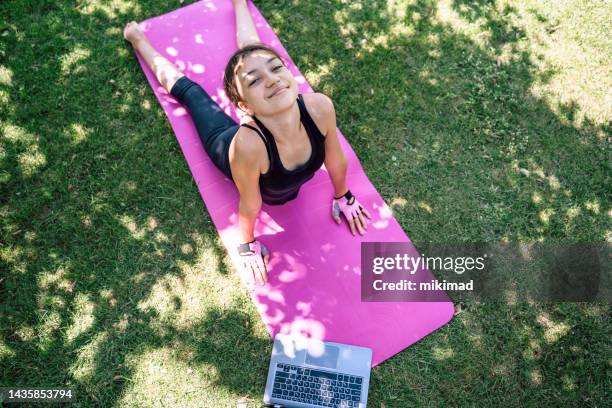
point(254, 256)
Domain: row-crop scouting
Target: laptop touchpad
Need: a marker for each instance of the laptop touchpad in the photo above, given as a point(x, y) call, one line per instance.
point(326, 356)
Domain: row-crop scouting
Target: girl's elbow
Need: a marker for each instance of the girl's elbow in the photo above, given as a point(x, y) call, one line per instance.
point(250, 210)
point(339, 165)
point(344, 162)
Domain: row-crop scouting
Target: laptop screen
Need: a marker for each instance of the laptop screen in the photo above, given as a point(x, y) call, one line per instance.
point(328, 359)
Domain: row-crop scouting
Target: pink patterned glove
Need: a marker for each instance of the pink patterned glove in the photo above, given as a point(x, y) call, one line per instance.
point(352, 211)
point(254, 256)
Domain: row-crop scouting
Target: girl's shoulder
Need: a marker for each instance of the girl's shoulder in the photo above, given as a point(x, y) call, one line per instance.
point(249, 140)
point(321, 109)
point(248, 148)
point(318, 104)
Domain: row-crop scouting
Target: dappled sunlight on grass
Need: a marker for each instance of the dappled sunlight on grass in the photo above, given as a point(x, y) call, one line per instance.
point(25, 333)
point(442, 353)
point(425, 206)
point(164, 298)
point(545, 215)
point(592, 205)
point(146, 104)
point(502, 369)
point(31, 161)
point(57, 280)
point(111, 9)
point(571, 84)
point(553, 331)
point(5, 351)
point(569, 383)
point(83, 321)
point(6, 76)
point(323, 70)
point(4, 100)
point(533, 351)
point(511, 295)
point(25, 146)
point(84, 366)
point(14, 256)
point(71, 63)
point(130, 225)
point(51, 322)
point(77, 133)
point(398, 202)
point(535, 376)
point(158, 370)
point(138, 232)
point(475, 29)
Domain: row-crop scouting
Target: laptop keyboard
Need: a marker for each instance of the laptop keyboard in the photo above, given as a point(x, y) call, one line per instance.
point(316, 387)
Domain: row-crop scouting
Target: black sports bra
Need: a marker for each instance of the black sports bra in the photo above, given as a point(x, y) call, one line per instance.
point(279, 185)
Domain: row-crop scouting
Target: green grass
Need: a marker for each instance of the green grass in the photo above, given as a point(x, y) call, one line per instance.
point(113, 280)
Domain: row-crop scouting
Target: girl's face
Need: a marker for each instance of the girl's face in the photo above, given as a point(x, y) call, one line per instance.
point(266, 86)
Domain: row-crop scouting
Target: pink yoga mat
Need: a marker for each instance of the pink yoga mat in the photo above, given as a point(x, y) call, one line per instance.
point(314, 273)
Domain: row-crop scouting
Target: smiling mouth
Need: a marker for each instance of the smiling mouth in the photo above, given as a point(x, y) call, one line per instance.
point(277, 92)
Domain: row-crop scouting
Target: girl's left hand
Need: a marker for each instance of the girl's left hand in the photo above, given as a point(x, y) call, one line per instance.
point(353, 211)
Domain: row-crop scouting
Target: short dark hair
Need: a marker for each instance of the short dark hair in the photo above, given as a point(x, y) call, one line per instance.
point(229, 81)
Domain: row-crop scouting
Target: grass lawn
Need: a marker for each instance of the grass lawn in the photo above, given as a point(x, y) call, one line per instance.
point(475, 120)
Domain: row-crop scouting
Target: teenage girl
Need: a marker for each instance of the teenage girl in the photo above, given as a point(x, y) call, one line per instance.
point(284, 140)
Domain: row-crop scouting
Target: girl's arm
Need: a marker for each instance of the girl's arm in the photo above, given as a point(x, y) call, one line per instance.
point(335, 160)
point(245, 172)
point(336, 164)
point(244, 165)
point(245, 28)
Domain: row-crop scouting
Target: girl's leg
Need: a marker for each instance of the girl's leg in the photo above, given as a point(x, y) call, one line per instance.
point(245, 28)
point(215, 128)
point(166, 72)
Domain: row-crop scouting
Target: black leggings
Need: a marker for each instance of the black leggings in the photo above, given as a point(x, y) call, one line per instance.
point(215, 128)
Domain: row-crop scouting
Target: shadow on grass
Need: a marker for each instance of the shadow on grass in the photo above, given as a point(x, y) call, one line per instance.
point(97, 215)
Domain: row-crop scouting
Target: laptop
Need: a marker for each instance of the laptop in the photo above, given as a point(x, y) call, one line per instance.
point(309, 373)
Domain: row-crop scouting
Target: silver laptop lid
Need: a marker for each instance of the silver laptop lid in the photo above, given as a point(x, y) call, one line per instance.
point(335, 362)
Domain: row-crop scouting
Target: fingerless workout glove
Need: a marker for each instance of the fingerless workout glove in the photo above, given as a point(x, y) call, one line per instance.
point(252, 249)
point(347, 205)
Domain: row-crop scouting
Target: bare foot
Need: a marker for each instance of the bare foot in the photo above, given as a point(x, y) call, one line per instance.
point(132, 32)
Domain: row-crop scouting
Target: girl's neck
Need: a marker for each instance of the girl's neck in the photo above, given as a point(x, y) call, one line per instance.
point(284, 125)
